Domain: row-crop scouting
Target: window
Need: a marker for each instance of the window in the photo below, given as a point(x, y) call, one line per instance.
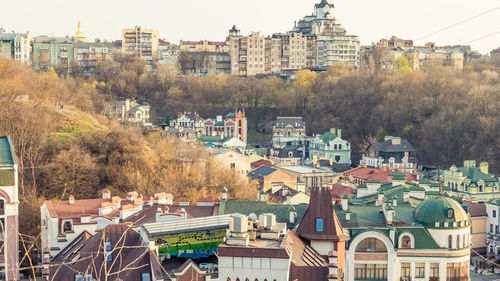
point(491, 228)
point(78, 277)
point(319, 225)
point(450, 213)
point(405, 270)
point(419, 270)
point(370, 271)
point(494, 213)
point(464, 242)
point(450, 242)
point(2, 207)
point(406, 242)
point(88, 277)
point(458, 241)
point(371, 245)
point(107, 252)
point(146, 276)
point(67, 226)
point(434, 270)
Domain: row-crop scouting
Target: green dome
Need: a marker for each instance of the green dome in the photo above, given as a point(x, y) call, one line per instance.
point(437, 209)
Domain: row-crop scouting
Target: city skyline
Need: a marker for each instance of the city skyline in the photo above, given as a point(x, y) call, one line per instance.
point(203, 20)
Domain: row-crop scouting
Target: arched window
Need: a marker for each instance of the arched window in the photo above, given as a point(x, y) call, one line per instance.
point(406, 242)
point(371, 245)
point(458, 241)
point(67, 226)
point(464, 241)
point(450, 242)
point(334, 146)
point(2, 207)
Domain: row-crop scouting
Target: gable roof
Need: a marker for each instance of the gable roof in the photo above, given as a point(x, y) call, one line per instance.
point(262, 171)
point(387, 146)
point(261, 162)
point(132, 255)
point(320, 207)
point(295, 122)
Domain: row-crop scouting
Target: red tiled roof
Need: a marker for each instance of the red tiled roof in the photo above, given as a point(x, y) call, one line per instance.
point(261, 162)
point(127, 207)
point(368, 173)
point(184, 199)
point(337, 190)
point(476, 209)
point(64, 210)
point(207, 199)
point(106, 204)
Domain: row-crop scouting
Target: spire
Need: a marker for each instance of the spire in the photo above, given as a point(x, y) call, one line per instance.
point(79, 35)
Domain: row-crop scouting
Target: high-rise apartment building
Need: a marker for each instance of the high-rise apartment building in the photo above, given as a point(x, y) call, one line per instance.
point(141, 42)
point(334, 45)
point(258, 54)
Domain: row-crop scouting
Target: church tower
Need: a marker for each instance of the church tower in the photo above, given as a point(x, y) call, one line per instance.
point(241, 125)
point(9, 209)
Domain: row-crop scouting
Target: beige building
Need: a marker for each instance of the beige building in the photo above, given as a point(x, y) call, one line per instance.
point(141, 42)
point(204, 46)
point(258, 54)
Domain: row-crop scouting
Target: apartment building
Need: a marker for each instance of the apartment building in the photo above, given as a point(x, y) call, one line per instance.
point(49, 52)
point(141, 42)
point(16, 46)
point(334, 45)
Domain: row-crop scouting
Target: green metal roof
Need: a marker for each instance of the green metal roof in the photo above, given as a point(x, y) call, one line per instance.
point(372, 181)
point(423, 239)
point(435, 209)
point(7, 153)
point(327, 137)
point(475, 174)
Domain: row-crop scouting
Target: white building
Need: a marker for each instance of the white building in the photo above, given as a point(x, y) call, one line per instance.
point(333, 43)
point(16, 46)
point(129, 111)
point(492, 228)
point(395, 241)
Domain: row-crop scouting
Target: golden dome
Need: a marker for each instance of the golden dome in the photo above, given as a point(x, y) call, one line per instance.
point(79, 35)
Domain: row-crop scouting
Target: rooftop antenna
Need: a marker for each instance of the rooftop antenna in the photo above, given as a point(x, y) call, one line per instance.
point(440, 183)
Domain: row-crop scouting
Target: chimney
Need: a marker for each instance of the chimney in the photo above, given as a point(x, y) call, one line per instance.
point(483, 166)
point(106, 193)
point(292, 215)
point(288, 198)
point(158, 214)
point(339, 133)
point(183, 213)
point(331, 160)
point(394, 200)
point(315, 159)
point(380, 198)
point(224, 194)
point(333, 130)
point(344, 203)
point(71, 199)
point(406, 195)
point(348, 215)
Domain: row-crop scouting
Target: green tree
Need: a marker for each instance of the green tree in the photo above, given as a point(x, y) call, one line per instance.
point(401, 64)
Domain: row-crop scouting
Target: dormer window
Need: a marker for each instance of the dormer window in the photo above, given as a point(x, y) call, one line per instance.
point(319, 225)
point(449, 213)
point(107, 252)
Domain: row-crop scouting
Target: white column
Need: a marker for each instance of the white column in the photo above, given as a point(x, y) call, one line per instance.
point(442, 270)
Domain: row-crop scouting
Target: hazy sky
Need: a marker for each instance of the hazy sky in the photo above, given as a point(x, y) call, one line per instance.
point(211, 20)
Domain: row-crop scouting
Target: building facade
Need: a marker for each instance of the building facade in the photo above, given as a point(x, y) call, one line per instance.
point(16, 46)
point(472, 180)
point(289, 131)
point(392, 153)
point(9, 211)
point(129, 111)
point(395, 241)
point(330, 146)
point(233, 124)
point(334, 45)
point(49, 52)
point(89, 54)
point(140, 42)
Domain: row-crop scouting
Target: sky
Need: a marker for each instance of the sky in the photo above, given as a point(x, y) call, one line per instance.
point(211, 19)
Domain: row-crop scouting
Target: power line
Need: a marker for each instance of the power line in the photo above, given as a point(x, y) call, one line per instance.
point(458, 23)
point(482, 37)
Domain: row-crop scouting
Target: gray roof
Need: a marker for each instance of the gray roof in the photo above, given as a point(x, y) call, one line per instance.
point(284, 153)
point(387, 146)
point(296, 122)
point(261, 171)
point(47, 40)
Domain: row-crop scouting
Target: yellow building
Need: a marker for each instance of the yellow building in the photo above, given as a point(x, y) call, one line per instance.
point(140, 42)
point(204, 46)
point(472, 180)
